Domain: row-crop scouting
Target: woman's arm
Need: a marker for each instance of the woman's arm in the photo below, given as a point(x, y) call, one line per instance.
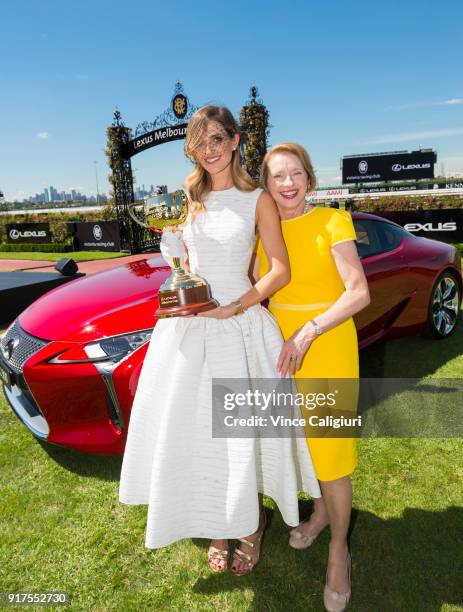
point(254, 265)
point(354, 298)
point(268, 225)
point(356, 295)
point(279, 273)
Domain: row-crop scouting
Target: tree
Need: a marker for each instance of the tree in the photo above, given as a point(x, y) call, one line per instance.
point(254, 120)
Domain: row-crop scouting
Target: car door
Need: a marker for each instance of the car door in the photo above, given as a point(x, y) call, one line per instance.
point(380, 247)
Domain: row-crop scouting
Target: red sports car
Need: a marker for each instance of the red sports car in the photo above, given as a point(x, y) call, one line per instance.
point(70, 362)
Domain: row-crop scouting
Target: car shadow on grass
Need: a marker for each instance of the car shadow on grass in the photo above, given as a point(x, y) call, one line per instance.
point(413, 563)
point(104, 467)
point(411, 357)
point(411, 387)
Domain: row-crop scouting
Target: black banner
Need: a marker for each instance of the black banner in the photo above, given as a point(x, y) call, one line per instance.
point(388, 167)
point(452, 184)
point(394, 188)
point(98, 236)
point(28, 232)
point(151, 139)
point(445, 225)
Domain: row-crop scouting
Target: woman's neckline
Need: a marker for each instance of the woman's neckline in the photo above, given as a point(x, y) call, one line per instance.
point(222, 190)
point(300, 216)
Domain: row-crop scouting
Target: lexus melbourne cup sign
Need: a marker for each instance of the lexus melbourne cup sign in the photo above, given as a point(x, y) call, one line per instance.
point(388, 167)
point(169, 126)
point(28, 232)
point(151, 139)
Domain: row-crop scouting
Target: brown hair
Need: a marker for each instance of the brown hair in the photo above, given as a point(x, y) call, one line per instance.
point(198, 184)
point(294, 149)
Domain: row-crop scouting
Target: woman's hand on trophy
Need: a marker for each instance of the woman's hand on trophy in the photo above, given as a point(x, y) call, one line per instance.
point(221, 312)
point(172, 245)
point(294, 350)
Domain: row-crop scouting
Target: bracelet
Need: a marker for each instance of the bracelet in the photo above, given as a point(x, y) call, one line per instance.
point(240, 308)
point(318, 329)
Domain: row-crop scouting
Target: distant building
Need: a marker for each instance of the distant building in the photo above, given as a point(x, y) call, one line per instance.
point(53, 194)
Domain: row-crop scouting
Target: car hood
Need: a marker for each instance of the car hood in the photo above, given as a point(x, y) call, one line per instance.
point(115, 301)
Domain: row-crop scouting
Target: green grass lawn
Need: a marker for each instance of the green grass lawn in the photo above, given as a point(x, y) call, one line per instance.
point(77, 255)
point(64, 528)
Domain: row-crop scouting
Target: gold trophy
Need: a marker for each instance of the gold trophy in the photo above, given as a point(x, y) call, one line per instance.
point(182, 293)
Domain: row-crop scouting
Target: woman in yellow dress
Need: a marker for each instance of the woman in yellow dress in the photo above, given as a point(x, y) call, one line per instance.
point(314, 311)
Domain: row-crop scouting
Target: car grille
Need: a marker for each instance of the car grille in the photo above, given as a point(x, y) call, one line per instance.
point(24, 346)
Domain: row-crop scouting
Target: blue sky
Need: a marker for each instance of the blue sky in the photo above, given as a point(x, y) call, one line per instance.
point(339, 77)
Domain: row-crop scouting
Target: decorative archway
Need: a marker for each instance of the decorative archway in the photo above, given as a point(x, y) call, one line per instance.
point(170, 125)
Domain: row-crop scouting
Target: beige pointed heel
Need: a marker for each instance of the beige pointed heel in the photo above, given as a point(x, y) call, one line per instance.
point(333, 600)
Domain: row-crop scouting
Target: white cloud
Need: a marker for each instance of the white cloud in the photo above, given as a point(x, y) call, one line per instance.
point(408, 136)
point(11, 197)
point(449, 102)
point(453, 164)
point(43, 135)
point(453, 102)
point(399, 107)
point(324, 169)
point(329, 181)
point(327, 176)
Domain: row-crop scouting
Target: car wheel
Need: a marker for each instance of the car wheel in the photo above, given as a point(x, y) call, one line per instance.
point(444, 306)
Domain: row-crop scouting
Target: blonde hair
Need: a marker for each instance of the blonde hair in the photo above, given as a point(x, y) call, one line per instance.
point(198, 184)
point(294, 149)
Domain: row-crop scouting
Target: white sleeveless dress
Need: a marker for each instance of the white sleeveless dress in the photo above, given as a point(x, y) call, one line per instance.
point(196, 485)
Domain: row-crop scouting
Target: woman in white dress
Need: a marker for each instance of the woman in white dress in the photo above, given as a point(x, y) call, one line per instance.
point(196, 485)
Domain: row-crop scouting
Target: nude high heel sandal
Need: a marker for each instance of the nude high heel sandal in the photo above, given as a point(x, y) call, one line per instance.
point(333, 600)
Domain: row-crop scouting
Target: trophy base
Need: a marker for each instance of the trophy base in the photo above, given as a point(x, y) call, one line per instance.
point(184, 301)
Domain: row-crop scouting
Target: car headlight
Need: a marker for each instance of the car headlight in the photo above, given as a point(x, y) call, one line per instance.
point(117, 347)
point(111, 349)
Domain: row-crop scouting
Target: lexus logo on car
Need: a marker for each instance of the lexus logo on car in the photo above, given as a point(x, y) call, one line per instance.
point(363, 167)
point(450, 226)
point(399, 167)
point(97, 232)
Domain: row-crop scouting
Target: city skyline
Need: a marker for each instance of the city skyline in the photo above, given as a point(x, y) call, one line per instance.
point(50, 194)
point(338, 81)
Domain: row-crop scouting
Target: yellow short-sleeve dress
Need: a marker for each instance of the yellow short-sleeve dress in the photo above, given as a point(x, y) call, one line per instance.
point(314, 286)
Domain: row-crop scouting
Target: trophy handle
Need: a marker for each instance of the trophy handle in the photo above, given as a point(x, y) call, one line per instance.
point(137, 220)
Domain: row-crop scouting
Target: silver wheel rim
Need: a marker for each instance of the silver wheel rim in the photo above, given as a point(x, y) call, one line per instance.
point(445, 305)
